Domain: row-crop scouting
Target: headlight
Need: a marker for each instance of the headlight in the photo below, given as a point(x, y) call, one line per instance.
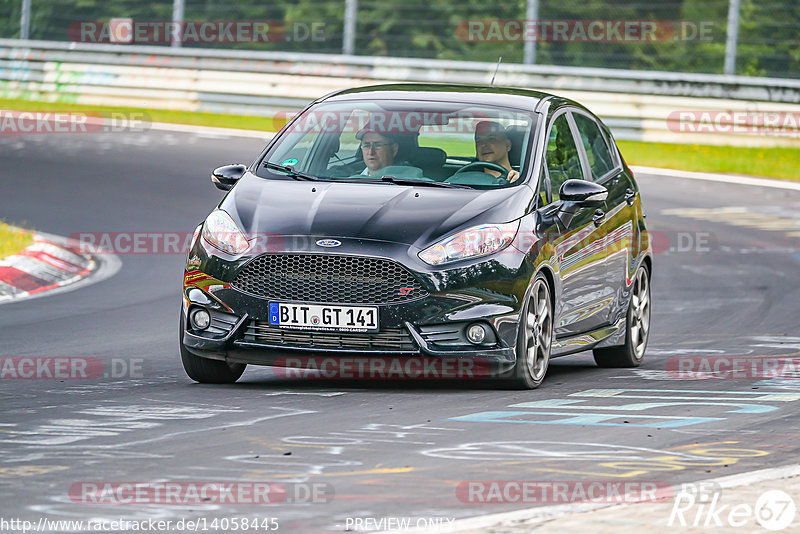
point(471, 243)
point(221, 232)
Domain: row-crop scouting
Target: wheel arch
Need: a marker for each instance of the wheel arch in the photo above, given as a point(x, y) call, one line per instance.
point(647, 261)
point(547, 270)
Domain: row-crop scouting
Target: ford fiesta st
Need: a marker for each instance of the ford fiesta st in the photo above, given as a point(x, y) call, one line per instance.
point(442, 222)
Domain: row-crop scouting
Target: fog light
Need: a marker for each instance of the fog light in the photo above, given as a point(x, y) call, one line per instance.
point(200, 319)
point(476, 333)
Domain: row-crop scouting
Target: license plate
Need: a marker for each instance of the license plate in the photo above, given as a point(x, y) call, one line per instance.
point(317, 317)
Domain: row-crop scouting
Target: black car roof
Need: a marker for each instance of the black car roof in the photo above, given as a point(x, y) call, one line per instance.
point(430, 92)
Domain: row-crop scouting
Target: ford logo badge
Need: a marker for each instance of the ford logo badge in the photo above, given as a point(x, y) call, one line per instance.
point(329, 243)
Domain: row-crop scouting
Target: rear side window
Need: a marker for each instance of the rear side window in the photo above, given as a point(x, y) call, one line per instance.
point(597, 152)
point(563, 162)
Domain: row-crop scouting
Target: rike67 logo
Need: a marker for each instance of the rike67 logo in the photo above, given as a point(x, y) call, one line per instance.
point(703, 505)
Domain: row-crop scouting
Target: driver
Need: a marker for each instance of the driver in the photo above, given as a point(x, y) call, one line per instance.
point(492, 145)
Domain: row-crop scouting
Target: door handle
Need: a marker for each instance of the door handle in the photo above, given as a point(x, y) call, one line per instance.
point(630, 196)
point(599, 217)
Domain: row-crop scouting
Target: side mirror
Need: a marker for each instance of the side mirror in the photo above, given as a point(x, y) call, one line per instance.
point(583, 194)
point(226, 176)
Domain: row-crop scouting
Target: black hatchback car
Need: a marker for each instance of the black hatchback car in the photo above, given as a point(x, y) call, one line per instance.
point(426, 223)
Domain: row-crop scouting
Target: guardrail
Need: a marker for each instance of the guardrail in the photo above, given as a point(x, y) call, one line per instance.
point(266, 83)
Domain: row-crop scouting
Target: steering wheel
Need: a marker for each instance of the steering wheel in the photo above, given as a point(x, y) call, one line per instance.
point(475, 165)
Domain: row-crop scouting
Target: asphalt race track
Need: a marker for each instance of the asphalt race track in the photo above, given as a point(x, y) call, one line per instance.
point(726, 284)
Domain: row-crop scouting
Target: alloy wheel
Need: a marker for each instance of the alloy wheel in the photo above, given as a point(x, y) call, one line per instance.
point(640, 313)
point(538, 330)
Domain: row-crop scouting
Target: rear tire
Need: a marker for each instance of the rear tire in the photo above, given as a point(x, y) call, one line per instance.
point(637, 325)
point(206, 371)
point(535, 337)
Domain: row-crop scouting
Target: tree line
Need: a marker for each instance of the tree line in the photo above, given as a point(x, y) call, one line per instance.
point(690, 35)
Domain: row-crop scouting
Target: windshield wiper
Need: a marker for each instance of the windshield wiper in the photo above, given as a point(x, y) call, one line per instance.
point(297, 175)
point(413, 181)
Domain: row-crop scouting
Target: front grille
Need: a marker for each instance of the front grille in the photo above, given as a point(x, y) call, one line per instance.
point(328, 279)
point(387, 340)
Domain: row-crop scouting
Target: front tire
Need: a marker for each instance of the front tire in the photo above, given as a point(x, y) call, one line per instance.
point(637, 325)
point(535, 338)
point(204, 370)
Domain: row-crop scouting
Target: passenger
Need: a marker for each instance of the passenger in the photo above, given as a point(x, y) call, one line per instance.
point(492, 145)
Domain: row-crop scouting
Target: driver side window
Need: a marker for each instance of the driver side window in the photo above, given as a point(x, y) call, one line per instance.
point(562, 159)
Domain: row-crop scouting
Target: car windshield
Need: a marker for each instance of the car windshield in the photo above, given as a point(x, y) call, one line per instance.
point(404, 143)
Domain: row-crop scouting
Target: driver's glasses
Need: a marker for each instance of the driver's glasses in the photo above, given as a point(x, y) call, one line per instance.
point(487, 139)
point(377, 145)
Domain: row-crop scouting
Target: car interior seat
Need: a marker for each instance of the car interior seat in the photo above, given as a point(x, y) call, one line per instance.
point(517, 136)
point(431, 161)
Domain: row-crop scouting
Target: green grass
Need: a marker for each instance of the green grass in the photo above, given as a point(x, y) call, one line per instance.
point(266, 124)
point(13, 240)
point(777, 162)
point(783, 163)
point(453, 146)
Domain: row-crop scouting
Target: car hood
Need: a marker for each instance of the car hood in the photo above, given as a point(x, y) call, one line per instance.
point(411, 215)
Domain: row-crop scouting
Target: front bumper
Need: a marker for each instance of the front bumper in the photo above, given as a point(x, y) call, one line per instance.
point(488, 291)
